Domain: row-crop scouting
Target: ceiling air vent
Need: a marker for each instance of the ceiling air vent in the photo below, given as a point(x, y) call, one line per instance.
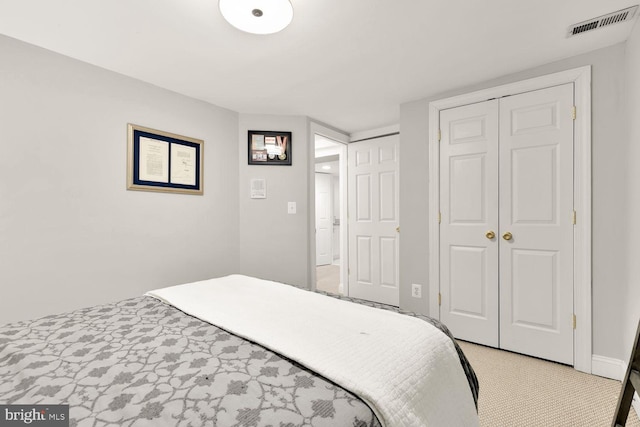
point(603, 21)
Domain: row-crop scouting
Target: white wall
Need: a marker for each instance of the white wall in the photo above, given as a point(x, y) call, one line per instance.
point(273, 244)
point(633, 167)
point(611, 191)
point(71, 235)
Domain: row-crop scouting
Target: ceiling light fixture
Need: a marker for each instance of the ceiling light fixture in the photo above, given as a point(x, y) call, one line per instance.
point(257, 16)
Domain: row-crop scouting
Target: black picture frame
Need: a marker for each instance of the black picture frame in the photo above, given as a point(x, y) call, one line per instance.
point(271, 148)
point(164, 162)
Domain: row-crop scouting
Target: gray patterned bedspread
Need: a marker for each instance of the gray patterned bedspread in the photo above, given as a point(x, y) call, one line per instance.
point(140, 362)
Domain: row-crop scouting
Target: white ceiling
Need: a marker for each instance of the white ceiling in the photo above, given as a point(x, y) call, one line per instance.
point(322, 142)
point(348, 63)
point(334, 167)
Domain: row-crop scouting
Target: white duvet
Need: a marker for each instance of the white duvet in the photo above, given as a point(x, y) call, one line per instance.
point(405, 369)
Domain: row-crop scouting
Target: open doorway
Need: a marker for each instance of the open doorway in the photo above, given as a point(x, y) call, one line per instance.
point(330, 225)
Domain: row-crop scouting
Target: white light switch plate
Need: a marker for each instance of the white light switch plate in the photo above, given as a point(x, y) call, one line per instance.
point(291, 208)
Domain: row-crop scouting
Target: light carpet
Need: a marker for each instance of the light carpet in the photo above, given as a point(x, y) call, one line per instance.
point(522, 391)
point(328, 278)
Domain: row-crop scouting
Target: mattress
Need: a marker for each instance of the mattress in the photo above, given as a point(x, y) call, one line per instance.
point(141, 362)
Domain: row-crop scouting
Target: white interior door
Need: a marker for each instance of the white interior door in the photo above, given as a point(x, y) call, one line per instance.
point(506, 167)
point(374, 220)
point(324, 219)
point(469, 211)
point(536, 207)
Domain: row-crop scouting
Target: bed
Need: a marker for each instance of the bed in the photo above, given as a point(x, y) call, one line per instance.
point(212, 353)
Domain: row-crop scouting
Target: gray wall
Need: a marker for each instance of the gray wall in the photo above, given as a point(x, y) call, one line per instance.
point(633, 167)
point(414, 204)
point(611, 150)
point(70, 234)
point(273, 244)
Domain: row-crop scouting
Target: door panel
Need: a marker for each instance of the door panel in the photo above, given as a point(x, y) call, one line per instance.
point(387, 154)
point(535, 289)
point(388, 196)
point(363, 157)
point(363, 269)
point(539, 117)
point(363, 197)
point(324, 219)
point(536, 207)
point(534, 180)
point(468, 288)
point(469, 204)
point(373, 218)
point(388, 252)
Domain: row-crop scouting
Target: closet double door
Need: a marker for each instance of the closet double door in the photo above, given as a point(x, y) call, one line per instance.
point(506, 229)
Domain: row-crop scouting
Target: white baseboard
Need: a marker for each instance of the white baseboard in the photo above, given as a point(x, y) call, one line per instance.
point(608, 367)
point(614, 369)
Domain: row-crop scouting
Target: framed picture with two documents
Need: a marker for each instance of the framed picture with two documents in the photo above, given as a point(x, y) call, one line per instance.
point(163, 161)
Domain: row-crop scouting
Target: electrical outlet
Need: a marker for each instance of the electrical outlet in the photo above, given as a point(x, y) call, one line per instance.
point(416, 290)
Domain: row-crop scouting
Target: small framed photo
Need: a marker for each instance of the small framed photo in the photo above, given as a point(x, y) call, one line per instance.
point(163, 161)
point(269, 148)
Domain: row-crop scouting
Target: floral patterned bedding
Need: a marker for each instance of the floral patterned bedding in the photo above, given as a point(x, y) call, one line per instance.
point(140, 362)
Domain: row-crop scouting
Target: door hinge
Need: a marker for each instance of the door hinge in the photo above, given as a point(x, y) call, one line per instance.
point(398, 229)
point(439, 217)
point(574, 321)
point(574, 218)
point(574, 112)
point(439, 135)
point(439, 299)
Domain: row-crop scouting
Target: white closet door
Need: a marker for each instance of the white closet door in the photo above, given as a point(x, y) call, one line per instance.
point(324, 219)
point(373, 220)
point(536, 207)
point(469, 209)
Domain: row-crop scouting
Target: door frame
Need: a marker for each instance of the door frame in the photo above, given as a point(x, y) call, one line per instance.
point(581, 78)
point(339, 137)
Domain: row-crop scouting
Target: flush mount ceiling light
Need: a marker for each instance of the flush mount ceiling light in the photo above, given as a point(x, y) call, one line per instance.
point(257, 16)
